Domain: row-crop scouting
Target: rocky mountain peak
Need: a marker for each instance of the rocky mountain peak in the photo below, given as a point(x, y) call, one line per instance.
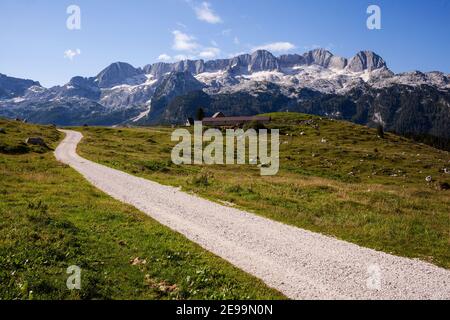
point(158, 69)
point(320, 57)
point(11, 87)
point(192, 66)
point(290, 60)
point(366, 60)
point(116, 73)
point(263, 60)
point(178, 82)
point(81, 81)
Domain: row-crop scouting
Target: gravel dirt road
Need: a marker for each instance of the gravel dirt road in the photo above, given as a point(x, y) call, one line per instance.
point(299, 263)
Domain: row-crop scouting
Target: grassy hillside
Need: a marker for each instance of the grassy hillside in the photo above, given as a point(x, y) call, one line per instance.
point(355, 186)
point(51, 218)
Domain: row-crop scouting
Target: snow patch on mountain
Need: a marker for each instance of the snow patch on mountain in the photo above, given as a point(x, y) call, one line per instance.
point(143, 114)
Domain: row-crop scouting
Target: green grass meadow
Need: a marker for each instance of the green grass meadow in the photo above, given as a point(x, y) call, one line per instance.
point(51, 218)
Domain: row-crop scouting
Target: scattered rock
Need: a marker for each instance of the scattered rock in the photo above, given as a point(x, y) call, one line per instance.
point(446, 170)
point(161, 286)
point(429, 179)
point(324, 140)
point(2, 130)
point(138, 261)
point(36, 141)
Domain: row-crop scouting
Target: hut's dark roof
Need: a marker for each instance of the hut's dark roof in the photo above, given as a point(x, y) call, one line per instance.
point(237, 119)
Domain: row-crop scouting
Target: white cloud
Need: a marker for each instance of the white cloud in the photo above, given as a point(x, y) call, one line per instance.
point(190, 48)
point(236, 41)
point(276, 47)
point(209, 53)
point(180, 57)
point(205, 13)
point(70, 54)
point(183, 41)
point(164, 57)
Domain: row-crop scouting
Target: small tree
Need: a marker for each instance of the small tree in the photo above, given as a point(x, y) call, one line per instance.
point(200, 114)
point(380, 131)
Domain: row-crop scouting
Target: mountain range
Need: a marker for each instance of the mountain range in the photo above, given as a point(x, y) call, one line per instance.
point(361, 89)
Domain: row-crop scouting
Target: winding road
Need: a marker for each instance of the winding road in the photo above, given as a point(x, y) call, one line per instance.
point(299, 263)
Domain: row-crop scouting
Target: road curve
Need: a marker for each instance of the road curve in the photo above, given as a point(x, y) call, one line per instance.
point(299, 263)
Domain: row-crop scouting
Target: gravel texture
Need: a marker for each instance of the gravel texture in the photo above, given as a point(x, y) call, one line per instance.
point(299, 263)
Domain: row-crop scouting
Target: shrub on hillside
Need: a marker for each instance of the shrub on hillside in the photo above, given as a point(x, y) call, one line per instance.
point(20, 148)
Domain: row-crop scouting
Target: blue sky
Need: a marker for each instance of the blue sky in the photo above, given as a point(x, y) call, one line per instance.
point(36, 44)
